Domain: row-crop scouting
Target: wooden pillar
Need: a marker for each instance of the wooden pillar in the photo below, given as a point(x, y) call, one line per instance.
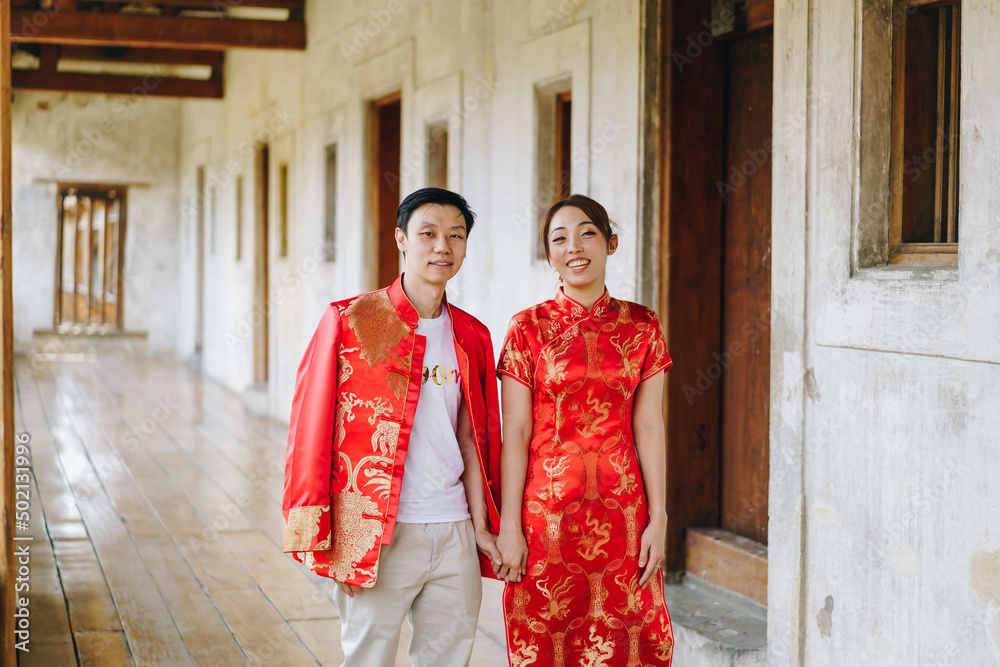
point(6, 353)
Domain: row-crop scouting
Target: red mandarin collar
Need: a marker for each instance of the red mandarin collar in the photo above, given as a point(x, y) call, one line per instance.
point(403, 306)
point(574, 311)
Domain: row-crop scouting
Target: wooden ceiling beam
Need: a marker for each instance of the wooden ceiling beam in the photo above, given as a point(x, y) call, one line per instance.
point(117, 54)
point(215, 5)
point(171, 32)
point(115, 84)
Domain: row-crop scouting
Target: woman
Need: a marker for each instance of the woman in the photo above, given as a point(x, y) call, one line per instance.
point(583, 521)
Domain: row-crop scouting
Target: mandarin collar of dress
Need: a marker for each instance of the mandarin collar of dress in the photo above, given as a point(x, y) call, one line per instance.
point(574, 312)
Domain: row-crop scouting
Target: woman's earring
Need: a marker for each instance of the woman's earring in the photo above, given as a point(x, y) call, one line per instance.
point(560, 279)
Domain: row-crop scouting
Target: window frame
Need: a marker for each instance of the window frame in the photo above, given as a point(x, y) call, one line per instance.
point(900, 252)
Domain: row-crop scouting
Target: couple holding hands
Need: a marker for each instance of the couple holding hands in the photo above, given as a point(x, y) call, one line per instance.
point(398, 488)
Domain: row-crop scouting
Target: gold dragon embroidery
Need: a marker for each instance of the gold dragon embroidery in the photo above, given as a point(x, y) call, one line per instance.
point(358, 526)
point(524, 654)
point(302, 526)
point(377, 325)
point(591, 419)
point(599, 650)
point(593, 540)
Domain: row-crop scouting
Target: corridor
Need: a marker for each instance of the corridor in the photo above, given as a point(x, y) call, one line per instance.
point(155, 522)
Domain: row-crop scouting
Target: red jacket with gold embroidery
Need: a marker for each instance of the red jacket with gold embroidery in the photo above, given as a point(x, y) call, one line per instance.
point(355, 396)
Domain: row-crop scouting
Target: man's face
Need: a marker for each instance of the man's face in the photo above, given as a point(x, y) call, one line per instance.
point(434, 243)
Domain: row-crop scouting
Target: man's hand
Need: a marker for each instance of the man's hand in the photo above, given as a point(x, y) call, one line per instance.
point(347, 589)
point(514, 554)
point(487, 543)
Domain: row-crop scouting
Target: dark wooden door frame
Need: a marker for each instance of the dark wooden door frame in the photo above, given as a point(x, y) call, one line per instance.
point(199, 261)
point(261, 265)
point(692, 114)
point(384, 160)
point(691, 249)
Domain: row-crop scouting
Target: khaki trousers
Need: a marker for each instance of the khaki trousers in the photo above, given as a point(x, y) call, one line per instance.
point(428, 575)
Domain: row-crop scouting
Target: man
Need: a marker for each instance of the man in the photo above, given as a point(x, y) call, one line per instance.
point(393, 464)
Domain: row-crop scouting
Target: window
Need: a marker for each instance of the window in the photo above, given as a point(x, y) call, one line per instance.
point(437, 155)
point(552, 169)
point(283, 210)
point(923, 225)
point(239, 218)
point(330, 224)
point(564, 116)
point(90, 254)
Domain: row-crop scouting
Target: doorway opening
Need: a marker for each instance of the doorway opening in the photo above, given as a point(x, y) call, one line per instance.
point(715, 292)
point(385, 146)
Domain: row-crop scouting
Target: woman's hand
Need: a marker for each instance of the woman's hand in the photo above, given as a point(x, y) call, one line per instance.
point(513, 553)
point(652, 547)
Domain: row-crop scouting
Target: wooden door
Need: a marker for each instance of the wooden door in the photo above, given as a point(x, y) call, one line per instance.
point(386, 119)
point(714, 270)
point(746, 286)
point(199, 253)
point(260, 311)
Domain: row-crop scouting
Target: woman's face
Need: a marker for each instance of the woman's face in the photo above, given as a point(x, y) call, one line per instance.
point(577, 248)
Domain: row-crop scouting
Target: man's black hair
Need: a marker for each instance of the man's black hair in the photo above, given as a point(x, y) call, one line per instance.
point(440, 196)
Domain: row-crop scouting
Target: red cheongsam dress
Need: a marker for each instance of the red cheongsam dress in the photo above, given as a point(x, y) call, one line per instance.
point(584, 507)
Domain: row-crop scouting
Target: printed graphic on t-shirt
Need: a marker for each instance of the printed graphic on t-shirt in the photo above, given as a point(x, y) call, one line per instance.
point(440, 375)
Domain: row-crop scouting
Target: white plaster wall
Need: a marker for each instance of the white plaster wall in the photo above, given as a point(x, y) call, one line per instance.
point(105, 139)
point(885, 425)
point(262, 103)
point(470, 62)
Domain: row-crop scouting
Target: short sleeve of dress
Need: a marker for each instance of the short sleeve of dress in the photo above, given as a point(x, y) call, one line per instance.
point(657, 358)
point(515, 356)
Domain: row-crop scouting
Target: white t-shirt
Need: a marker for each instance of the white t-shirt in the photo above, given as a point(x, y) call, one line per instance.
point(432, 489)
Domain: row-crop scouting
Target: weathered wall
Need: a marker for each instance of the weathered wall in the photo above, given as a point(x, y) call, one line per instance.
point(884, 419)
point(474, 64)
point(97, 138)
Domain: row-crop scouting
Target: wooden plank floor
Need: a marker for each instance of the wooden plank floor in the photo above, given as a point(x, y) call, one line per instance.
point(155, 523)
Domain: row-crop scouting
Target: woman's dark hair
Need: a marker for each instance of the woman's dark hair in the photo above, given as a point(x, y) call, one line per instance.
point(591, 208)
point(440, 196)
